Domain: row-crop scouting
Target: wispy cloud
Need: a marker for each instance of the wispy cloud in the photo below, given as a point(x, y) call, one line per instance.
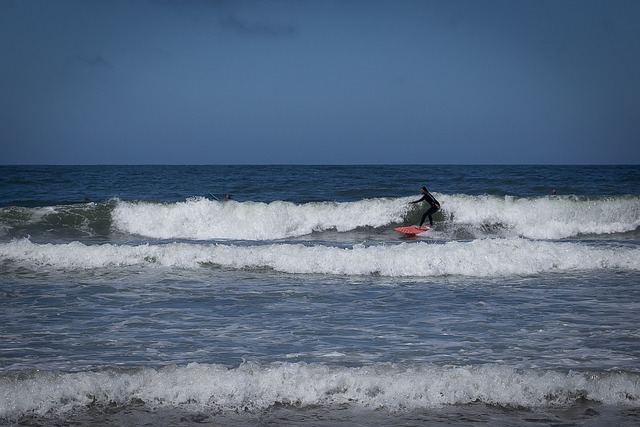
point(190, 4)
point(91, 60)
point(257, 29)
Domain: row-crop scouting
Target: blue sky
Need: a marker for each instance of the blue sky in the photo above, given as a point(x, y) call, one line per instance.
point(319, 82)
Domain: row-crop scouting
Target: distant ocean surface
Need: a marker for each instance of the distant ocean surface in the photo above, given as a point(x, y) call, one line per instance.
point(136, 295)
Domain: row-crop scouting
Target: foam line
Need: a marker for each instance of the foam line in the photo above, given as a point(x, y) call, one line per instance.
point(478, 258)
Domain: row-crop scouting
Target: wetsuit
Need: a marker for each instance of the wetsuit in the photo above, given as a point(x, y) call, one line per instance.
point(434, 207)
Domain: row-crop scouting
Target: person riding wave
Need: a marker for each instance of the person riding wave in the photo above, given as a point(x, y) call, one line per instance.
point(434, 205)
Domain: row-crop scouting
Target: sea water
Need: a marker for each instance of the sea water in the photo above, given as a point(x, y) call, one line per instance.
point(139, 295)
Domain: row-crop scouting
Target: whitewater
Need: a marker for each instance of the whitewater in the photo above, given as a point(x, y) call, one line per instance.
point(483, 258)
point(546, 217)
point(535, 218)
point(252, 387)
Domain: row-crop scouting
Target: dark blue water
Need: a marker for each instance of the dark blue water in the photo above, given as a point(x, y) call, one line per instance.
point(46, 185)
point(137, 294)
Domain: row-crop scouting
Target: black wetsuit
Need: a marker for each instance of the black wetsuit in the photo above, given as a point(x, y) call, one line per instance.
point(434, 207)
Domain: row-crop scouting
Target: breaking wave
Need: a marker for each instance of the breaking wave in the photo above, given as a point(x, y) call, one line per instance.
point(478, 258)
point(254, 387)
point(462, 216)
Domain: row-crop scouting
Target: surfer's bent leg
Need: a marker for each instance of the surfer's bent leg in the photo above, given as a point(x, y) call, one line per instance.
point(428, 213)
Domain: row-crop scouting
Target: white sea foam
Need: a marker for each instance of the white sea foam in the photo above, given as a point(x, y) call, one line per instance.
point(478, 258)
point(204, 219)
point(537, 218)
point(254, 387)
point(545, 217)
point(462, 216)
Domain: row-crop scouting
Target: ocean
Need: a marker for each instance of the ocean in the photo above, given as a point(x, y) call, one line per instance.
point(139, 295)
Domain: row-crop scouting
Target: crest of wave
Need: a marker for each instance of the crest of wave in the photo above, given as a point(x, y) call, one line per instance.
point(255, 387)
point(545, 217)
point(204, 219)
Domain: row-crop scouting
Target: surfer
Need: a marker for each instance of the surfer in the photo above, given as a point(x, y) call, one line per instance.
point(434, 205)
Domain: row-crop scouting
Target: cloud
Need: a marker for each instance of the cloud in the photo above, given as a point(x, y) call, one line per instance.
point(225, 13)
point(257, 29)
point(190, 4)
point(91, 60)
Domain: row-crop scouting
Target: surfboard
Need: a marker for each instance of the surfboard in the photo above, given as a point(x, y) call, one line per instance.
point(412, 230)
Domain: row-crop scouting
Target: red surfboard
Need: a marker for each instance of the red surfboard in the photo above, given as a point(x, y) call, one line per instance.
point(412, 230)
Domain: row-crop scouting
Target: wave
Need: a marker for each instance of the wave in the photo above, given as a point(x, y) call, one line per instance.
point(203, 219)
point(480, 216)
point(478, 258)
point(462, 217)
point(254, 387)
point(73, 221)
point(550, 217)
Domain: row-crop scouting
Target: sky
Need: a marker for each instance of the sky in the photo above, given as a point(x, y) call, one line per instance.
point(319, 82)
